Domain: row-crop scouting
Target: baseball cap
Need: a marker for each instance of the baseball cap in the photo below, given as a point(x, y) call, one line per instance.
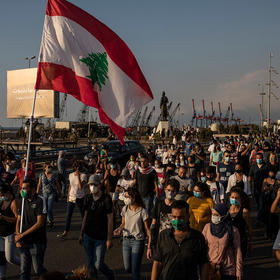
point(94, 179)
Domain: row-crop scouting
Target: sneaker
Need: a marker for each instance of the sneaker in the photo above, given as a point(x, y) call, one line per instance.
point(62, 235)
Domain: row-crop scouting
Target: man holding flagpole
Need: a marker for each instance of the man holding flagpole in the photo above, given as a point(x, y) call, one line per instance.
point(31, 239)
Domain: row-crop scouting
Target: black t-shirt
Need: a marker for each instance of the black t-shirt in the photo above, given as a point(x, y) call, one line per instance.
point(32, 209)
point(180, 261)
point(162, 214)
point(258, 175)
point(96, 225)
point(146, 182)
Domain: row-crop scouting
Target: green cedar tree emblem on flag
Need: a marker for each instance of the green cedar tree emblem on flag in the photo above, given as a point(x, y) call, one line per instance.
point(98, 68)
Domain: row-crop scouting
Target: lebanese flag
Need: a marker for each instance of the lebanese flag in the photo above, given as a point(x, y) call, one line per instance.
point(81, 56)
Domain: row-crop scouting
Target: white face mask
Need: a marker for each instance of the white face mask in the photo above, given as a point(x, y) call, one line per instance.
point(170, 195)
point(93, 189)
point(216, 219)
point(127, 201)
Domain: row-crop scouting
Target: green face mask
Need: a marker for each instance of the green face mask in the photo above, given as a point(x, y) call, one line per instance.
point(178, 224)
point(23, 194)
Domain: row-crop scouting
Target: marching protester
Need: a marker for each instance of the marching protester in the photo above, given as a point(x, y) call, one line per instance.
point(134, 227)
point(61, 170)
point(269, 192)
point(32, 241)
point(161, 213)
point(258, 172)
point(50, 190)
point(180, 250)
point(216, 188)
point(200, 205)
point(146, 183)
point(240, 217)
point(76, 193)
point(237, 177)
point(8, 218)
point(224, 247)
point(97, 227)
point(275, 209)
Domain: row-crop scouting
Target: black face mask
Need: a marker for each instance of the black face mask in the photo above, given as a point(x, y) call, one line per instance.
point(271, 177)
point(238, 171)
point(210, 178)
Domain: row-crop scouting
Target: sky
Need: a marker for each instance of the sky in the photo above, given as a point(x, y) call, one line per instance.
point(213, 50)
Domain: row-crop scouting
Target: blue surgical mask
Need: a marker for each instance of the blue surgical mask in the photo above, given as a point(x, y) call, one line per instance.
point(197, 194)
point(203, 179)
point(259, 160)
point(3, 198)
point(233, 201)
point(113, 166)
point(227, 159)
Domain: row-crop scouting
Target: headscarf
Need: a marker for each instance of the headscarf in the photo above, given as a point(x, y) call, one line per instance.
point(225, 226)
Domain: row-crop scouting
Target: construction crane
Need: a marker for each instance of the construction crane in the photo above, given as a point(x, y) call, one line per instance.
point(226, 119)
point(136, 118)
point(144, 116)
point(212, 113)
point(63, 105)
point(194, 114)
point(147, 123)
point(220, 112)
point(172, 115)
point(203, 114)
point(231, 113)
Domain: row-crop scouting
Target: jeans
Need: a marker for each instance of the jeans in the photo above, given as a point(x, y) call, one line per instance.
point(95, 252)
point(132, 256)
point(32, 253)
point(148, 202)
point(63, 183)
point(8, 252)
point(70, 209)
point(50, 201)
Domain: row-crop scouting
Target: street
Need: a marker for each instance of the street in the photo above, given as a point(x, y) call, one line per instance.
point(66, 255)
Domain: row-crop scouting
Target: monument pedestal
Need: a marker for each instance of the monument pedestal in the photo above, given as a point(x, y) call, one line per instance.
point(163, 125)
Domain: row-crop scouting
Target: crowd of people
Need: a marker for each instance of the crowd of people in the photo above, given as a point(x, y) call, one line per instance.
point(186, 205)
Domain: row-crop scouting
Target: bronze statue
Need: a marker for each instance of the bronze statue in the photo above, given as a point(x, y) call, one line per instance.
point(163, 107)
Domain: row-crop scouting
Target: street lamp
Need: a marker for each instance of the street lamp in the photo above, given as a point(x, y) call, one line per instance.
point(29, 59)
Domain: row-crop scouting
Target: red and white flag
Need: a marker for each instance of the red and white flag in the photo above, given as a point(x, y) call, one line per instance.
point(81, 56)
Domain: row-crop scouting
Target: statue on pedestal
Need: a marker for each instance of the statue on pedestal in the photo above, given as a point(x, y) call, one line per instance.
point(163, 107)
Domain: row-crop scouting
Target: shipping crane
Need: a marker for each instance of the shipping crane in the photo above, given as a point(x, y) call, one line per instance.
point(226, 119)
point(194, 114)
point(147, 123)
point(212, 112)
point(144, 116)
point(135, 120)
point(203, 114)
point(220, 112)
point(172, 115)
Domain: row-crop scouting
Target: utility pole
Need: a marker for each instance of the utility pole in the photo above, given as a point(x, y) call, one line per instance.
point(269, 85)
point(268, 91)
point(262, 94)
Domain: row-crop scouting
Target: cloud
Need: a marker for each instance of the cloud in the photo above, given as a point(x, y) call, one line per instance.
point(244, 92)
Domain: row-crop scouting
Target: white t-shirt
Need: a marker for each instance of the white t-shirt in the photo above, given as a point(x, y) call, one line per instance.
point(165, 157)
point(75, 192)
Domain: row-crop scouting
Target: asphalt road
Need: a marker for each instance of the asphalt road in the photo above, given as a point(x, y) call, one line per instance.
point(66, 255)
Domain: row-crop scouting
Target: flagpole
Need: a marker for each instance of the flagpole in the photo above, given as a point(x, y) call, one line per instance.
point(28, 154)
